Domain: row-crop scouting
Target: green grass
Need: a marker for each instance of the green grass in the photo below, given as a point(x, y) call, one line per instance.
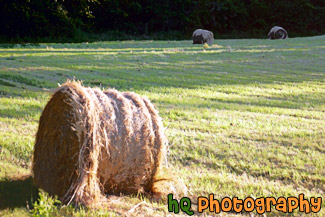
point(245, 118)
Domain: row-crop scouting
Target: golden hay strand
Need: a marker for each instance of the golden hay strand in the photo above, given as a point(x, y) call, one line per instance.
point(91, 143)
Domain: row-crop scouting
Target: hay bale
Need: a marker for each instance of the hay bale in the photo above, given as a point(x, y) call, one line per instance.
point(201, 36)
point(278, 32)
point(91, 143)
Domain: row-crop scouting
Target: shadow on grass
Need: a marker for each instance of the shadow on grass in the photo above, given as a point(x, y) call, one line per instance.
point(24, 111)
point(17, 192)
point(255, 104)
point(24, 45)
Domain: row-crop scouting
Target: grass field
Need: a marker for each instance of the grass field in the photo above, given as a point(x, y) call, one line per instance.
point(243, 117)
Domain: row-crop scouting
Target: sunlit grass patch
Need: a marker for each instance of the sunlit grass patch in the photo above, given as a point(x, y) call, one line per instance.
point(243, 117)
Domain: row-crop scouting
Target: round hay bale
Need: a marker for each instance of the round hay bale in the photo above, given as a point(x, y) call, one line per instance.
point(91, 143)
point(201, 36)
point(278, 32)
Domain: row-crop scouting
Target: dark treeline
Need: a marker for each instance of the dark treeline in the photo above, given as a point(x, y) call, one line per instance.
point(36, 19)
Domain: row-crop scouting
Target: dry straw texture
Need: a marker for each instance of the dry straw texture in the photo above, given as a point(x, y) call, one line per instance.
point(92, 143)
point(201, 36)
point(278, 32)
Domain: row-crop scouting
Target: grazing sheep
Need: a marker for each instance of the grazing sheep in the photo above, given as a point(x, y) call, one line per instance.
point(278, 32)
point(201, 36)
